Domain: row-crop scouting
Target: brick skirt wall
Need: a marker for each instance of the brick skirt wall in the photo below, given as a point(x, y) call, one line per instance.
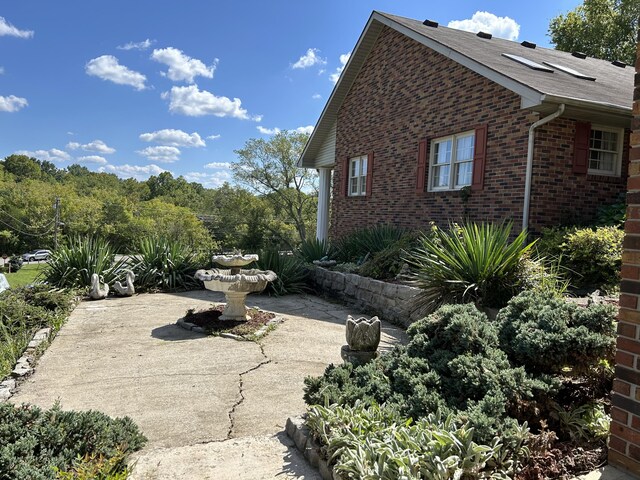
point(624, 441)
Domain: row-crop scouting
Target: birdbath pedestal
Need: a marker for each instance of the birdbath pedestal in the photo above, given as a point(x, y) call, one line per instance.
point(235, 282)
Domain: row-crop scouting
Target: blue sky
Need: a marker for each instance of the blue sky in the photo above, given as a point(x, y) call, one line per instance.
point(140, 86)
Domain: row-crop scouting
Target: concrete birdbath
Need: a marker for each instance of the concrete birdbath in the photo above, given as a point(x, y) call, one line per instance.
point(235, 282)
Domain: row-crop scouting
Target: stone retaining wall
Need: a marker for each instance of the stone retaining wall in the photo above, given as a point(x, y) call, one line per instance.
point(389, 301)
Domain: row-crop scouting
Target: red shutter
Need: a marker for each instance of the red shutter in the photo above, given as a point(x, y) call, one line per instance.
point(345, 178)
point(581, 148)
point(479, 157)
point(369, 187)
point(422, 166)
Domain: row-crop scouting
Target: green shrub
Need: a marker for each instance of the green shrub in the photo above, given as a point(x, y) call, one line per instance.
point(612, 215)
point(592, 257)
point(25, 310)
point(34, 442)
point(471, 263)
point(313, 249)
point(545, 334)
point(585, 423)
point(388, 262)
point(164, 265)
point(71, 265)
point(291, 271)
point(357, 246)
point(452, 365)
point(374, 442)
point(543, 275)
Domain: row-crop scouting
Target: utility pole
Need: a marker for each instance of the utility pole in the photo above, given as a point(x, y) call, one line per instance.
point(56, 222)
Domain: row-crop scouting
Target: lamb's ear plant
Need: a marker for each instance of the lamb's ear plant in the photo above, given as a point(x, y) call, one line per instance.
point(472, 262)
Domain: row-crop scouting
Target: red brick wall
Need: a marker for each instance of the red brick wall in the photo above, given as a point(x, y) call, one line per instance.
point(624, 442)
point(406, 92)
point(559, 196)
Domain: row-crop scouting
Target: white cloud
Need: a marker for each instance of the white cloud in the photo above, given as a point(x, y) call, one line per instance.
point(503, 27)
point(268, 131)
point(225, 165)
point(97, 159)
point(344, 58)
point(316, 96)
point(52, 155)
point(12, 103)
point(133, 171)
point(108, 68)
point(162, 153)
point(214, 137)
point(208, 180)
point(145, 44)
point(7, 29)
point(308, 129)
point(194, 102)
point(1, 70)
point(275, 130)
point(309, 59)
point(182, 67)
point(174, 138)
point(95, 146)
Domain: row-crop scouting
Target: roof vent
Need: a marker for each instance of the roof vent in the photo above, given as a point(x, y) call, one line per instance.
point(484, 35)
point(430, 23)
point(618, 63)
point(579, 54)
point(528, 44)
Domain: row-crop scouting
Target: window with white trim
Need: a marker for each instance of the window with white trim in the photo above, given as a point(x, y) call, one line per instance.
point(605, 150)
point(358, 176)
point(451, 162)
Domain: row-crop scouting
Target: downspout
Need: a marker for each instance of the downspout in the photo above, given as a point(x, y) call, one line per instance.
point(527, 183)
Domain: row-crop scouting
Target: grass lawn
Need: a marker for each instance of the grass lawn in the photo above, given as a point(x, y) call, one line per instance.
point(25, 275)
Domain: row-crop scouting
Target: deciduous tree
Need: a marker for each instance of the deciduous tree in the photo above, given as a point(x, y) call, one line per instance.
point(605, 29)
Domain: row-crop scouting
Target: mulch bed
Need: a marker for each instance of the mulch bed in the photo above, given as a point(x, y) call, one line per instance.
point(210, 320)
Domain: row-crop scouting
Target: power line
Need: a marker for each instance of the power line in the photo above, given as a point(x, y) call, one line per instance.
point(18, 220)
point(26, 233)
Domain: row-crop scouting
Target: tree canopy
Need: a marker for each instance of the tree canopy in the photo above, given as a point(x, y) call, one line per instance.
point(269, 168)
point(605, 29)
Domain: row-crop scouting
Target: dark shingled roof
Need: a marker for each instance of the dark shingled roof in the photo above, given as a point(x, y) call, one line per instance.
point(613, 85)
point(608, 99)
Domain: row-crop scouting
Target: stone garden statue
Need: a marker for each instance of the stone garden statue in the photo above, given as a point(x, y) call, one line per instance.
point(126, 290)
point(363, 338)
point(98, 289)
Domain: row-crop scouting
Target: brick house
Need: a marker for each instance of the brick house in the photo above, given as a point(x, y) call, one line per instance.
point(429, 123)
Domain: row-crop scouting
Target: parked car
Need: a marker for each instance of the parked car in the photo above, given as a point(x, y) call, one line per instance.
point(36, 255)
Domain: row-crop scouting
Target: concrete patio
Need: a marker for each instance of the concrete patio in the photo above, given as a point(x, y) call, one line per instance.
point(211, 407)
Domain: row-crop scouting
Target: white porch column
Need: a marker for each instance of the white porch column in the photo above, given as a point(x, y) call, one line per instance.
point(324, 194)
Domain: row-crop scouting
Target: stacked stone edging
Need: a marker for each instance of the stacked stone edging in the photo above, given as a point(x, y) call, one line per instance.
point(390, 301)
point(305, 443)
point(25, 364)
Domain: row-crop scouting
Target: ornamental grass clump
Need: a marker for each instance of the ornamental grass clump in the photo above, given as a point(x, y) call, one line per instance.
point(313, 249)
point(164, 265)
point(71, 265)
point(291, 271)
point(469, 263)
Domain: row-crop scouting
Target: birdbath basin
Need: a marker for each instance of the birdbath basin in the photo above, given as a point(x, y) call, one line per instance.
point(235, 282)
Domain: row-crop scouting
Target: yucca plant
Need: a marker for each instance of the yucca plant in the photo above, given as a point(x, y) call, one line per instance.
point(355, 246)
point(164, 265)
point(468, 263)
point(291, 271)
point(313, 249)
point(71, 265)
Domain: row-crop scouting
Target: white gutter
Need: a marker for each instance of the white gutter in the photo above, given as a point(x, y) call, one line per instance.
point(527, 184)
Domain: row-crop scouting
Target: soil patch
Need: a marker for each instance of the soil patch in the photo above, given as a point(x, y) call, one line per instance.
point(210, 321)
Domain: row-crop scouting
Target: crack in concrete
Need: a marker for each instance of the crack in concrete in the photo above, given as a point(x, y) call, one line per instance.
point(232, 412)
